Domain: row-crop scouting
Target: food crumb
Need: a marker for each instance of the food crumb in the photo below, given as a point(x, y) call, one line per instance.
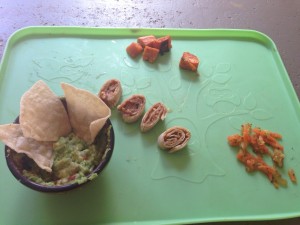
point(292, 176)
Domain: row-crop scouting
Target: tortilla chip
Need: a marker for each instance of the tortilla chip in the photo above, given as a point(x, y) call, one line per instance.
point(42, 114)
point(87, 112)
point(40, 152)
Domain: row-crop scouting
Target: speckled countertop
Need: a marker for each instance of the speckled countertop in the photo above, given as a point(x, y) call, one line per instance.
point(276, 18)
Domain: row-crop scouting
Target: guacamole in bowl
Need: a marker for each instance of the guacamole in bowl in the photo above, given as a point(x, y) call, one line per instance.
point(75, 162)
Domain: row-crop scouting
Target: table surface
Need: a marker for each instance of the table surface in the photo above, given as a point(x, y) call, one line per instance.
point(276, 18)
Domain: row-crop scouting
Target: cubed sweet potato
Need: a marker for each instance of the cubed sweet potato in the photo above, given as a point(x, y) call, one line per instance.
point(189, 61)
point(150, 54)
point(146, 40)
point(162, 43)
point(134, 49)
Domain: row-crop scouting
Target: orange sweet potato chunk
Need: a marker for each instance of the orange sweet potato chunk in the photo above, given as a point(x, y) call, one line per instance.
point(189, 61)
point(146, 40)
point(150, 54)
point(163, 44)
point(134, 49)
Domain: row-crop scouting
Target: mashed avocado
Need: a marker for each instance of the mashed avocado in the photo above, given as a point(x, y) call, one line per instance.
point(74, 161)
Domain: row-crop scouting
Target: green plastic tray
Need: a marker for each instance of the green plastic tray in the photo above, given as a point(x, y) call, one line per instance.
point(242, 79)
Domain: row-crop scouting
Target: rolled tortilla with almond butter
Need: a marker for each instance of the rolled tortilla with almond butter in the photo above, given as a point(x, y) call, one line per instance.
point(111, 92)
point(156, 112)
point(174, 139)
point(132, 108)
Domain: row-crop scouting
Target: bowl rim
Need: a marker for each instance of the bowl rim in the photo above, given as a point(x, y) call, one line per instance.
point(43, 188)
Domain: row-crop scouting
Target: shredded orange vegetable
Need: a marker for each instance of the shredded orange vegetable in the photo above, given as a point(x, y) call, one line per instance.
point(292, 175)
point(264, 143)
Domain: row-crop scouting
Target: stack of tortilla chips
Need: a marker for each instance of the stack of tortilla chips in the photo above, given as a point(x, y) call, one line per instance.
point(44, 119)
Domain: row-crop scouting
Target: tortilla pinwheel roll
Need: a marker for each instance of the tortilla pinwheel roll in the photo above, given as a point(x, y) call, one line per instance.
point(157, 112)
point(174, 139)
point(111, 92)
point(132, 108)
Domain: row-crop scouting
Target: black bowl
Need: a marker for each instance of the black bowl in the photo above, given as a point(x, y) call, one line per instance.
point(18, 162)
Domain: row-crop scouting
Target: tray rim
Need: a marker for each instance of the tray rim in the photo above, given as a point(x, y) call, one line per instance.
point(245, 34)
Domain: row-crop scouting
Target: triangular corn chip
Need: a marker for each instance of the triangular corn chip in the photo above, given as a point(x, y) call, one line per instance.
point(40, 151)
point(42, 114)
point(87, 112)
